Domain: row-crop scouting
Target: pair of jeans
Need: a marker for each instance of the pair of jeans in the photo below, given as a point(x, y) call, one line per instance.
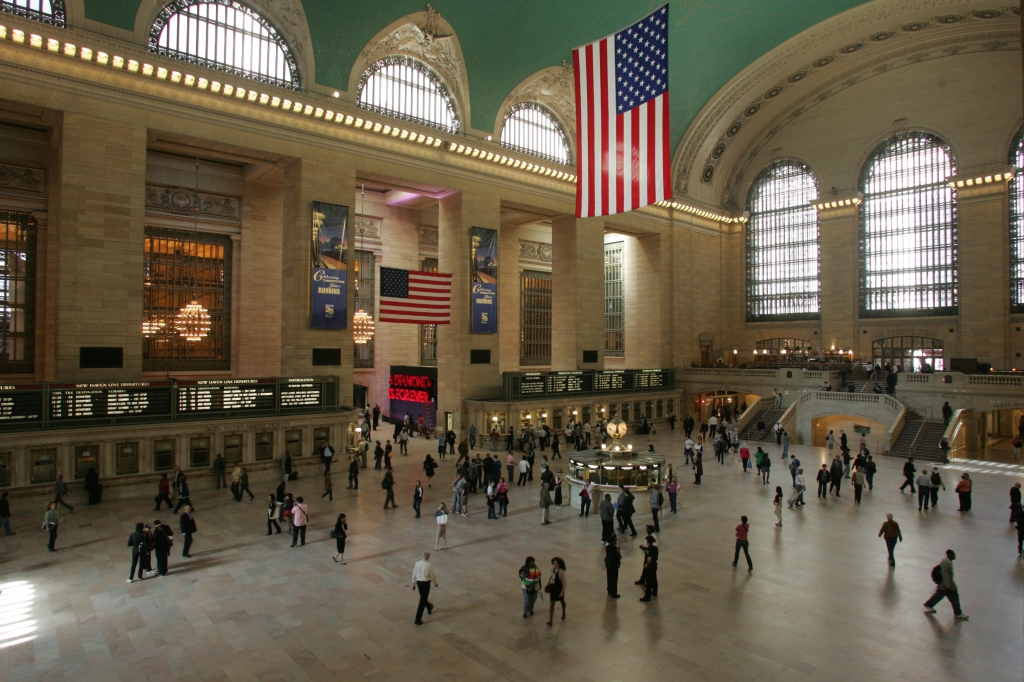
point(744, 545)
point(161, 561)
point(272, 523)
point(890, 544)
point(952, 595)
point(136, 559)
point(222, 480)
point(584, 506)
point(503, 506)
point(607, 530)
point(490, 510)
point(298, 531)
point(672, 499)
point(6, 522)
point(160, 499)
point(456, 503)
point(424, 587)
point(924, 497)
point(529, 599)
point(655, 513)
point(613, 580)
point(416, 505)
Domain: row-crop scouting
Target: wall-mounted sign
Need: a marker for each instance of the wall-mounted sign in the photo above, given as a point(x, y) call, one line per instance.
point(329, 276)
point(413, 391)
point(484, 286)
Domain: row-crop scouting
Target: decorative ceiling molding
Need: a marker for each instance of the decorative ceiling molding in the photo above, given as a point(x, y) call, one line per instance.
point(537, 252)
point(21, 179)
point(179, 201)
point(799, 63)
point(555, 88)
point(425, 36)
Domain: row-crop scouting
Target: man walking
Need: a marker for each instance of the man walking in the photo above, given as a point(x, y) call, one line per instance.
point(656, 500)
point(5, 514)
point(1015, 499)
point(607, 511)
point(220, 468)
point(823, 478)
point(908, 474)
point(388, 484)
point(869, 472)
point(924, 490)
point(545, 504)
point(163, 493)
point(183, 499)
point(742, 543)
point(797, 499)
point(300, 517)
point(945, 587)
point(422, 575)
point(188, 528)
point(858, 483)
point(836, 475)
point(612, 561)
point(162, 535)
point(626, 506)
point(936, 484)
point(890, 532)
point(353, 473)
point(61, 491)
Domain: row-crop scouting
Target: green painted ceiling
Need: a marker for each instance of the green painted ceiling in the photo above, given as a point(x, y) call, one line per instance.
point(710, 41)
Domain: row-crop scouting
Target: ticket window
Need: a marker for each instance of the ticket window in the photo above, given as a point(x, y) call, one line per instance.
point(625, 412)
point(496, 422)
point(5, 469)
point(163, 455)
point(44, 465)
point(233, 448)
point(86, 457)
point(574, 415)
point(127, 457)
point(637, 414)
point(586, 414)
point(525, 420)
point(649, 409)
point(661, 409)
point(293, 443)
point(199, 452)
point(264, 446)
point(556, 418)
point(321, 436)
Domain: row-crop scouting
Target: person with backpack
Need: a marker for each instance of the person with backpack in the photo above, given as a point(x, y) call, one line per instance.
point(529, 578)
point(139, 542)
point(388, 485)
point(890, 532)
point(945, 587)
point(794, 464)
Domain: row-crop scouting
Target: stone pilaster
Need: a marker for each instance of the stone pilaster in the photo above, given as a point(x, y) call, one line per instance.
point(256, 331)
point(646, 292)
point(840, 263)
point(508, 299)
point(100, 230)
point(577, 287)
point(457, 377)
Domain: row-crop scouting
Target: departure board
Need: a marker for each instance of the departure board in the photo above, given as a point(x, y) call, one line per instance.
point(524, 385)
point(101, 401)
point(197, 397)
point(20, 405)
point(301, 393)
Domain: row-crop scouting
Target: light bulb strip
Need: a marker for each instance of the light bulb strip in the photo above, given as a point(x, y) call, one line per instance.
point(702, 212)
point(838, 203)
point(1005, 176)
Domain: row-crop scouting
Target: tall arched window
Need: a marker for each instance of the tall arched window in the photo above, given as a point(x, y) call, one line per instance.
point(782, 244)
point(227, 36)
point(1017, 226)
point(908, 252)
point(404, 88)
point(531, 129)
point(46, 11)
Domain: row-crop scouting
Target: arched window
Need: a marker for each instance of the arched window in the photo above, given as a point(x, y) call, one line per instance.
point(227, 36)
point(531, 129)
point(908, 252)
point(404, 88)
point(1017, 226)
point(46, 11)
point(782, 245)
point(911, 353)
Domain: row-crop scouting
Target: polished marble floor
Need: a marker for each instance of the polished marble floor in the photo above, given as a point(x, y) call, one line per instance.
point(821, 603)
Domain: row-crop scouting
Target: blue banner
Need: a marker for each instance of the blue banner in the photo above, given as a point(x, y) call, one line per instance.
point(328, 301)
point(328, 309)
point(484, 287)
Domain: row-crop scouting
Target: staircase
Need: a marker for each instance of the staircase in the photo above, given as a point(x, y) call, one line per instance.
point(769, 416)
point(919, 439)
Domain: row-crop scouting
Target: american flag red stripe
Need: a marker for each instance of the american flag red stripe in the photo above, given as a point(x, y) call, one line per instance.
point(623, 158)
point(415, 297)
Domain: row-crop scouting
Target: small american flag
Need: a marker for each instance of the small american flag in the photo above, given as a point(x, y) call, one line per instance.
point(414, 297)
point(622, 118)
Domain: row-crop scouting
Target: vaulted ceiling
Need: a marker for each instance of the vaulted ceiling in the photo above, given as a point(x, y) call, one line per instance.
point(711, 41)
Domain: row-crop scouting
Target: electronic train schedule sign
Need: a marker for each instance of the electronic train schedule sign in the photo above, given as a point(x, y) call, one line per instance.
point(21, 406)
point(413, 391)
point(196, 398)
point(83, 402)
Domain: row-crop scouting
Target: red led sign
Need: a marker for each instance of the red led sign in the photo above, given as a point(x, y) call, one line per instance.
point(408, 395)
point(410, 381)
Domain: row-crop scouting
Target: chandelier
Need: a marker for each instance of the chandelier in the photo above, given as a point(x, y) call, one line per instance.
point(362, 327)
point(193, 321)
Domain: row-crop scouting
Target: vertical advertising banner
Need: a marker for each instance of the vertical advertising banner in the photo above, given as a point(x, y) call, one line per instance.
point(329, 276)
point(484, 287)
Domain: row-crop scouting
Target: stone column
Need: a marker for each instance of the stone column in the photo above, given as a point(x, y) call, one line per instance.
point(984, 265)
point(577, 288)
point(840, 285)
point(508, 299)
point(457, 377)
point(100, 229)
point(305, 182)
point(648, 316)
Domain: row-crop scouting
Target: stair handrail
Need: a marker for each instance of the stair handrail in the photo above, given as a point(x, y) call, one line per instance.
point(748, 416)
point(897, 427)
point(957, 423)
point(924, 422)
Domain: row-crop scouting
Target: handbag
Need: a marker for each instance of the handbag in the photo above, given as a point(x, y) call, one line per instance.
point(442, 519)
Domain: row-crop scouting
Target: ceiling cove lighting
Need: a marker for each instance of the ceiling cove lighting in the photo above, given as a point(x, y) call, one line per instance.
point(983, 179)
point(840, 203)
point(191, 81)
point(703, 213)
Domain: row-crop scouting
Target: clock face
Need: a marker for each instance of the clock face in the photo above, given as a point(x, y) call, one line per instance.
point(617, 428)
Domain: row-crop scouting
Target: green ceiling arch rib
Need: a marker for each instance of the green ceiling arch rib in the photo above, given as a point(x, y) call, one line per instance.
point(710, 41)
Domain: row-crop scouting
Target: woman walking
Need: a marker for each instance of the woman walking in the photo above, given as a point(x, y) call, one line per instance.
point(963, 490)
point(778, 504)
point(529, 576)
point(417, 498)
point(672, 487)
point(556, 588)
point(274, 514)
point(442, 527)
point(428, 468)
point(339, 533)
point(328, 487)
point(51, 520)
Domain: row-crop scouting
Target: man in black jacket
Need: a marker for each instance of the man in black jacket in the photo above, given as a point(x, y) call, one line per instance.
point(823, 478)
point(139, 542)
point(162, 542)
point(5, 514)
point(353, 473)
point(183, 498)
point(836, 474)
point(612, 561)
point(188, 527)
point(908, 473)
point(628, 510)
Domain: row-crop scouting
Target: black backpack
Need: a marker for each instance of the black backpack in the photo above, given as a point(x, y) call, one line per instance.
point(937, 574)
point(384, 483)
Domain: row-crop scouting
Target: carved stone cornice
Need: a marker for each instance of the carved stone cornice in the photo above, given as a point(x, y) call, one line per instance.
point(555, 88)
point(21, 179)
point(428, 237)
point(806, 59)
point(536, 252)
point(367, 227)
point(180, 201)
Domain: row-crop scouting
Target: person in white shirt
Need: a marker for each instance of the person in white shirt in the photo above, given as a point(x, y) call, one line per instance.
point(422, 575)
point(328, 456)
point(586, 433)
point(797, 498)
point(299, 519)
point(688, 448)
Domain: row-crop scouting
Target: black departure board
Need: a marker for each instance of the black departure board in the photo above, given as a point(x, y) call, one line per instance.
point(231, 395)
point(301, 393)
point(102, 401)
point(525, 385)
point(20, 405)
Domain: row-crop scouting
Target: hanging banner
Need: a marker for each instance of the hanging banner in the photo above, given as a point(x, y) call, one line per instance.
point(329, 274)
point(484, 287)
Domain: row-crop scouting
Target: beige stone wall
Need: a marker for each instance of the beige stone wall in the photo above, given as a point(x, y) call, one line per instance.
point(257, 333)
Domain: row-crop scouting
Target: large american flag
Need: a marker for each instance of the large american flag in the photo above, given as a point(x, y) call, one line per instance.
point(414, 297)
point(622, 119)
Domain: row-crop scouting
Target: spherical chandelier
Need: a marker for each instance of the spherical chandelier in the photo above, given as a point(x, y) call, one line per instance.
point(193, 322)
point(362, 327)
